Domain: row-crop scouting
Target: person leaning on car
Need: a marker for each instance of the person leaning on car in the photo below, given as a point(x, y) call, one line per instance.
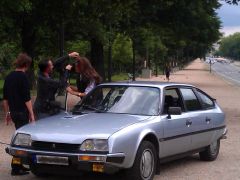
point(45, 104)
point(17, 102)
point(87, 78)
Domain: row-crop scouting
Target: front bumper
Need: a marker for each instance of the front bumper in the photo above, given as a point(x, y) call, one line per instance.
point(224, 135)
point(107, 163)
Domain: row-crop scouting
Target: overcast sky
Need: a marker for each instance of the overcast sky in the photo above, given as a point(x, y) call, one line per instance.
point(230, 17)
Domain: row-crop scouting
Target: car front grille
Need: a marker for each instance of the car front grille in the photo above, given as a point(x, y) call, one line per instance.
point(55, 147)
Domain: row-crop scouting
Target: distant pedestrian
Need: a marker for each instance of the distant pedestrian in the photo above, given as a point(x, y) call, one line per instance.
point(17, 102)
point(167, 73)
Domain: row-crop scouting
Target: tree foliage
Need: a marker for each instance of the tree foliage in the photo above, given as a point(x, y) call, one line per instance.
point(158, 31)
point(230, 47)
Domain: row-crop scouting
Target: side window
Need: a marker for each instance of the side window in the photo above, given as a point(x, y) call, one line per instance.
point(206, 101)
point(172, 99)
point(190, 99)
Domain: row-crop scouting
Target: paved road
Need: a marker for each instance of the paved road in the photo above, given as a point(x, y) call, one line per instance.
point(230, 72)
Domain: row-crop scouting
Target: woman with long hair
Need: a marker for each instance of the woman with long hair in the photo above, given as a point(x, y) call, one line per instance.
point(87, 79)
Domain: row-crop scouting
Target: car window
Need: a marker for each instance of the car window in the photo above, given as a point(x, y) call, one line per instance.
point(206, 101)
point(172, 99)
point(190, 99)
point(122, 99)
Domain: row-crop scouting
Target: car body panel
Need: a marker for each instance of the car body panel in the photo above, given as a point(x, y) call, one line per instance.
point(173, 141)
point(75, 129)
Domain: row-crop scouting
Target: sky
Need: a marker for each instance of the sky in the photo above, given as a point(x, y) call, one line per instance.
point(230, 17)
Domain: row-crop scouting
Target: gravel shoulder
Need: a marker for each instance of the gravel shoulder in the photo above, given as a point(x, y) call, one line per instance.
point(227, 165)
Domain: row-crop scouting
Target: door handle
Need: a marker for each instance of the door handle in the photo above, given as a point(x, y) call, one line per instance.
point(208, 120)
point(188, 123)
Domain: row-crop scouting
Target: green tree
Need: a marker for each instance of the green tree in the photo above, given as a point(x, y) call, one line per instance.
point(122, 53)
point(230, 46)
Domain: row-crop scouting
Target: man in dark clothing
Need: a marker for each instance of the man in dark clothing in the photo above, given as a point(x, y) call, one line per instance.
point(45, 104)
point(17, 102)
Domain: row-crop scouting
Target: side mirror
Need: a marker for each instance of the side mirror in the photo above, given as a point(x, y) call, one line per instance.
point(174, 111)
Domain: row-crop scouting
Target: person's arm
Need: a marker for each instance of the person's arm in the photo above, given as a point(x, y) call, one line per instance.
point(74, 88)
point(51, 83)
point(59, 62)
point(30, 110)
point(27, 99)
point(90, 87)
point(8, 118)
point(72, 91)
point(75, 92)
point(5, 98)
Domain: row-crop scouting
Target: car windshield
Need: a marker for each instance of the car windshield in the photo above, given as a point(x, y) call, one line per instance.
point(121, 99)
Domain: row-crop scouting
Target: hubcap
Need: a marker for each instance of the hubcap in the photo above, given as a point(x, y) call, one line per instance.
point(147, 164)
point(214, 147)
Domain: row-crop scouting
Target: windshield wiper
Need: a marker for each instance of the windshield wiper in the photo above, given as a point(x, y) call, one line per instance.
point(92, 108)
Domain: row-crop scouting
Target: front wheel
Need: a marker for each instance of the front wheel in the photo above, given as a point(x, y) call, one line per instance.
point(211, 152)
point(144, 166)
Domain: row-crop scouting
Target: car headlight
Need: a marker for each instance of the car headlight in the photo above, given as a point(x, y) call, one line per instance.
point(22, 140)
point(94, 145)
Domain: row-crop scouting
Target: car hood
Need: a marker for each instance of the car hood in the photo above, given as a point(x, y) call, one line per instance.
point(74, 129)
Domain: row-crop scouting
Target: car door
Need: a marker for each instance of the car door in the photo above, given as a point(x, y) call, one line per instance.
point(176, 128)
point(200, 118)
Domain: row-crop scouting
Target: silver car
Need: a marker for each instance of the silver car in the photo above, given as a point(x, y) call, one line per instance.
point(129, 126)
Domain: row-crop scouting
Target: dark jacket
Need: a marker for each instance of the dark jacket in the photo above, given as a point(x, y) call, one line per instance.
point(47, 88)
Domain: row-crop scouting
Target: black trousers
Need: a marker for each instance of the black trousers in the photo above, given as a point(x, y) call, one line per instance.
point(20, 119)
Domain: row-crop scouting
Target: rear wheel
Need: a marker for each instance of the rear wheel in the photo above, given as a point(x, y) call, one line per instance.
point(211, 152)
point(144, 166)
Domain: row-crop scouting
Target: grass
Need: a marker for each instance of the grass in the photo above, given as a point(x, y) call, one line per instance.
point(120, 77)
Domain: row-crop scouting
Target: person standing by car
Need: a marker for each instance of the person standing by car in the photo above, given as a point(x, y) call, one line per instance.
point(47, 87)
point(17, 102)
point(87, 78)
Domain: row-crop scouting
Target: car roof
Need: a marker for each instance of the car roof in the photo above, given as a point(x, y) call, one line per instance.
point(148, 83)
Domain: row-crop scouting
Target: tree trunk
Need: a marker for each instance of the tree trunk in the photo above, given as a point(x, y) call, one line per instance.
point(134, 61)
point(97, 57)
point(61, 39)
point(110, 62)
point(27, 41)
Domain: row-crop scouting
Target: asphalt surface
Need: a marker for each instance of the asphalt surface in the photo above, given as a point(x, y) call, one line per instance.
point(228, 71)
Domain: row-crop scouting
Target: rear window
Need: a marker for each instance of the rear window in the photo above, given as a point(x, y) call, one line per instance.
point(190, 100)
point(206, 101)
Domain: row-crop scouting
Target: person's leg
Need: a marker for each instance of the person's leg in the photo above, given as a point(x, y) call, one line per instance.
point(19, 119)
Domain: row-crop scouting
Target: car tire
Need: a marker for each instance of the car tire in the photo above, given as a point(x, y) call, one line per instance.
point(144, 166)
point(211, 152)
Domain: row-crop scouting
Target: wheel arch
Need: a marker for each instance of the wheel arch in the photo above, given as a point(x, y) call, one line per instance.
point(153, 139)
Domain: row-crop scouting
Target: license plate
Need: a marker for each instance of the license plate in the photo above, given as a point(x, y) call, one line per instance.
point(53, 160)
